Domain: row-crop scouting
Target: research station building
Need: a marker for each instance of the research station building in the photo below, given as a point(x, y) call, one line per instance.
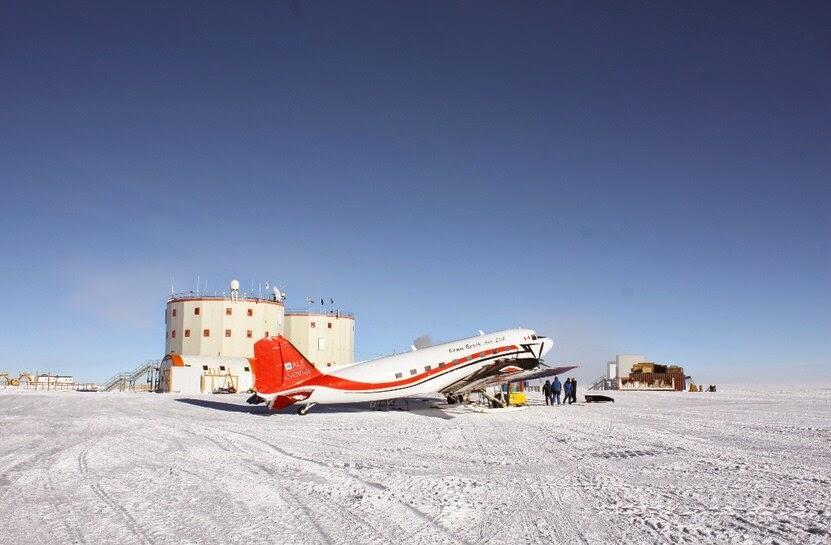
point(209, 339)
point(220, 326)
point(327, 338)
point(634, 372)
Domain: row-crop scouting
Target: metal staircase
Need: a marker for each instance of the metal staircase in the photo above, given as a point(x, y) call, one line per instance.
point(603, 383)
point(127, 381)
point(116, 382)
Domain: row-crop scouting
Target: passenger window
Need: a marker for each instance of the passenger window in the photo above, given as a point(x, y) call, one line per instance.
point(413, 371)
point(398, 375)
point(427, 367)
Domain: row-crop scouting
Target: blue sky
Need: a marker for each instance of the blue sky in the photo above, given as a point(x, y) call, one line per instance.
point(625, 179)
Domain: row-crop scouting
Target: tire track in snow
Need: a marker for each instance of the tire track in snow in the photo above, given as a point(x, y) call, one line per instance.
point(7, 484)
point(540, 450)
point(661, 523)
point(306, 505)
point(66, 519)
point(303, 506)
point(129, 521)
point(318, 466)
point(482, 450)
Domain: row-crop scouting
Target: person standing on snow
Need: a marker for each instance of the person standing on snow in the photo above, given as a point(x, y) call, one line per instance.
point(567, 391)
point(556, 387)
point(574, 390)
point(546, 391)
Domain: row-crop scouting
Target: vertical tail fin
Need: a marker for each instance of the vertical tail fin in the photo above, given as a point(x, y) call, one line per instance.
point(278, 365)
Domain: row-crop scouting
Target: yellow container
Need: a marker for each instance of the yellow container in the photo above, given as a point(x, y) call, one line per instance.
point(517, 398)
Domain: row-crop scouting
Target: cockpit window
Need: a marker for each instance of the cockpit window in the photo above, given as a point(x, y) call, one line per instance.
point(533, 337)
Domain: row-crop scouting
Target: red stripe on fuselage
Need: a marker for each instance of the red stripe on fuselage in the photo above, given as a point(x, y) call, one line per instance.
point(339, 383)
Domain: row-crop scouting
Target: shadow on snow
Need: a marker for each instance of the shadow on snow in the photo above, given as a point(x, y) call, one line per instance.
point(419, 407)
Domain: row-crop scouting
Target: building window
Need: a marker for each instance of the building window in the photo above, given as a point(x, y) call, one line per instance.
point(266, 334)
point(173, 312)
point(221, 367)
point(399, 375)
point(196, 311)
point(204, 367)
point(187, 333)
point(227, 332)
point(227, 311)
point(251, 312)
point(249, 333)
point(329, 325)
point(206, 332)
point(413, 371)
point(328, 364)
point(312, 325)
point(173, 334)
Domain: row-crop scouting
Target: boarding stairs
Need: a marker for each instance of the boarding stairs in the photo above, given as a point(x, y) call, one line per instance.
point(127, 381)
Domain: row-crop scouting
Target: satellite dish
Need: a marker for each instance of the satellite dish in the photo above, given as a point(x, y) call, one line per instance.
point(481, 332)
point(234, 285)
point(278, 295)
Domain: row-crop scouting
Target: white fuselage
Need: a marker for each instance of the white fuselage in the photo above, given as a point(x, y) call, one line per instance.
point(423, 371)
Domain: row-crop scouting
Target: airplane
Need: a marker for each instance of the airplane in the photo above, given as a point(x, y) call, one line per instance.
point(453, 369)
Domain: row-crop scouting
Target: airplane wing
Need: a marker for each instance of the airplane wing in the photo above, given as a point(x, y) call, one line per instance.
point(496, 375)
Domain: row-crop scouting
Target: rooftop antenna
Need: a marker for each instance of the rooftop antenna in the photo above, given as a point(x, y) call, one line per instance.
point(197, 284)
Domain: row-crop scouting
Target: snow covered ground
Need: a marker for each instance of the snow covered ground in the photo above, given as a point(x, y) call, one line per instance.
point(731, 467)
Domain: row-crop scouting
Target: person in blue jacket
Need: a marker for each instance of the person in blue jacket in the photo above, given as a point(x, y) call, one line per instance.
point(567, 391)
point(556, 388)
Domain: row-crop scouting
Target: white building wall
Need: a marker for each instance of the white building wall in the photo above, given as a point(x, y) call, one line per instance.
point(53, 379)
point(218, 326)
point(625, 363)
point(204, 374)
point(327, 339)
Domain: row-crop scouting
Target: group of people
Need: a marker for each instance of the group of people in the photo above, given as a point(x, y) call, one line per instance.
point(552, 390)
